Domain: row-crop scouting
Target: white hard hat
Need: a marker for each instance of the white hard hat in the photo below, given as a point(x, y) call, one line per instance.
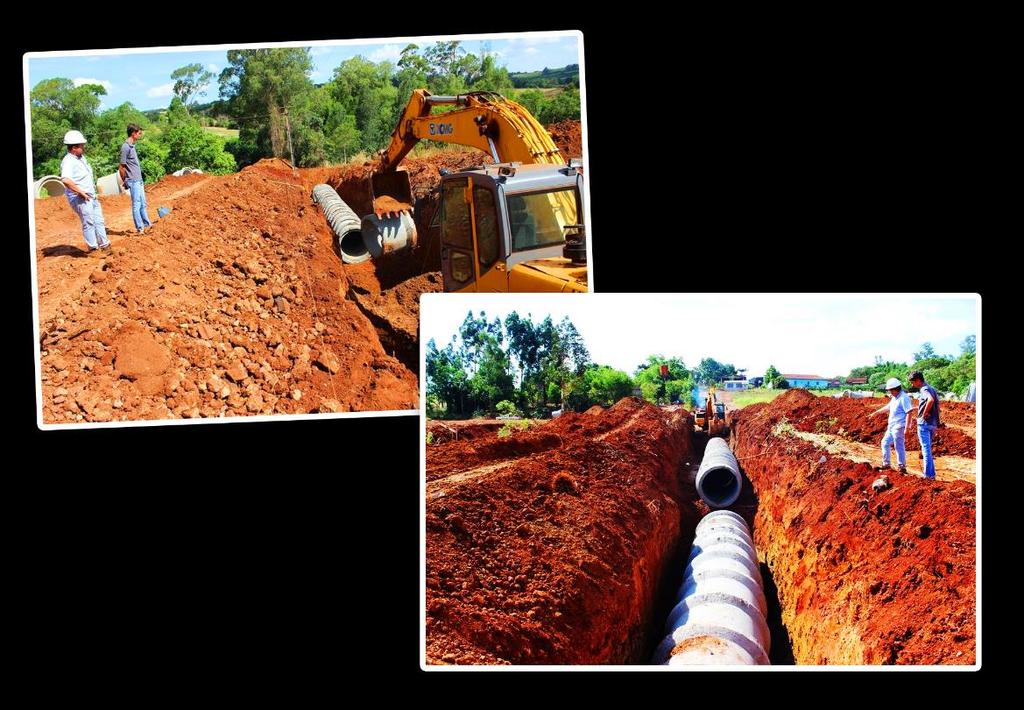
point(892, 383)
point(74, 138)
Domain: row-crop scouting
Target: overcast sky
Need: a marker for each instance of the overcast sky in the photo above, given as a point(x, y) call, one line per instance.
point(144, 78)
point(811, 334)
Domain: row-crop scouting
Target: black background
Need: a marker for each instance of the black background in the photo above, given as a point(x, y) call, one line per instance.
point(757, 143)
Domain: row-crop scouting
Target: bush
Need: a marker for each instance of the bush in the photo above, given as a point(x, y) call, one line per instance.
point(506, 408)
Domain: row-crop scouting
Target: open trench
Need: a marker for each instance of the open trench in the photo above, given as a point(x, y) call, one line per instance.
point(567, 543)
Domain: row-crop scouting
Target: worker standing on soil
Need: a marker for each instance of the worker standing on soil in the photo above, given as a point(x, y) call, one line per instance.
point(900, 408)
point(927, 420)
point(131, 177)
point(80, 189)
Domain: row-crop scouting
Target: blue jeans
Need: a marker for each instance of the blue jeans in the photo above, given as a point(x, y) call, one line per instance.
point(925, 434)
point(894, 435)
point(94, 229)
point(138, 192)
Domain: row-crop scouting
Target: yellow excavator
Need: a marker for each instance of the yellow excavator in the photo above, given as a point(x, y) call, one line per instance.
point(514, 225)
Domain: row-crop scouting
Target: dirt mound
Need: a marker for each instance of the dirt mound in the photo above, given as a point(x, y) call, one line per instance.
point(568, 136)
point(849, 419)
point(863, 577)
point(239, 284)
point(556, 556)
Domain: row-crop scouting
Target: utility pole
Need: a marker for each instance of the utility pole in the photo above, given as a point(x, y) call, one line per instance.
point(288, 128)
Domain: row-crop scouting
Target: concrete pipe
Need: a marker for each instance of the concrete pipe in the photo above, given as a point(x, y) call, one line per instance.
point(718, 479)
point(109, 185)
point(386, 235)
point(344, 223)
point(721, 609)
point(48, 186)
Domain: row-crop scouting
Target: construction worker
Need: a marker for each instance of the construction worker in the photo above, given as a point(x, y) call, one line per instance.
point(80, 189)
point(900, 408)
point(130, 172)
point(927, 420)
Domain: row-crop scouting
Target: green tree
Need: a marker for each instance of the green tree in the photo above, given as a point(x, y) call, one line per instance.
point(563, 106)
point(264, 89)
point(677, 386)
point(710, 371)
point(190, 83)
point(365, 91)
point(967, 347)
point(57, 106)
point(927, 351)
point(188, 145)
point(599, 384)
point(447, 380)
point(492, 381)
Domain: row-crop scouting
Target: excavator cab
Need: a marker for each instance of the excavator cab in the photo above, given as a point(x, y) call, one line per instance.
point(504, 228)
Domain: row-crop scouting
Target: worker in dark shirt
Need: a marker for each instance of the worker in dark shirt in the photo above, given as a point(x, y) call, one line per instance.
point(927, 420)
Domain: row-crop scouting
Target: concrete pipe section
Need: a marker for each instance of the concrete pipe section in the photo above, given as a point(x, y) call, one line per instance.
point(109, 185)
point(344, 223)
point(386, 235)
point(718, 479)
point(720, 615)
point(48, 186)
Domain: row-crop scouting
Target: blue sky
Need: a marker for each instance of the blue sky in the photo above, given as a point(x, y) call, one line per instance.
point(812, 334)
point(144, 78)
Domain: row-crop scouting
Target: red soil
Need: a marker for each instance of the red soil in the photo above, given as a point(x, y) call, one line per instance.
point(862, 577)
point(556, 556)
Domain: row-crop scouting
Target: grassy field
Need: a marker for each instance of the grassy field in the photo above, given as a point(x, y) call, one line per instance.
point(225, 133)
point(759, 395)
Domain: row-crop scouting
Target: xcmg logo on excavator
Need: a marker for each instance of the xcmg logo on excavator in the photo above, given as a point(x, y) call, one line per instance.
point(441, 129)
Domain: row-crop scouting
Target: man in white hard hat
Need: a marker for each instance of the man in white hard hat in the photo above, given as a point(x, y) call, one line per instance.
point(80, 189)
point(899, 407)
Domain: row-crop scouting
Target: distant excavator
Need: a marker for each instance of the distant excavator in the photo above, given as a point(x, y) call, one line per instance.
point(515, 225)
point(711, 417)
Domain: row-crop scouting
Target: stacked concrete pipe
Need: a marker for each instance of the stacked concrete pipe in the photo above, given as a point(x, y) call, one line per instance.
point(720, 615)
point(344, 223)
point(718, 479)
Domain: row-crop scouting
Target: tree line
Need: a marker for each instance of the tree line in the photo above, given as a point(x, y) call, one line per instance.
point(269, 96)
point(946, 373)
point(519, 366)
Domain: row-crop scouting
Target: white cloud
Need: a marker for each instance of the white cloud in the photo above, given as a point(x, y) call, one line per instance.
point(162, 90)
point(105, 84)
point(136, 82)
point(213, 67)
point(533, 41)
point(389, 52)
point(531, 50)
point(320, 51)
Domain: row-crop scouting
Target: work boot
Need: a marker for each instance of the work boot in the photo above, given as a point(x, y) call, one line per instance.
point(903, 469)
point(96, 253)
point(105, 247)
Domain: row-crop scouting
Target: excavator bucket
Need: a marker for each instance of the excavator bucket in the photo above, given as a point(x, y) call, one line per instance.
point(391, 193)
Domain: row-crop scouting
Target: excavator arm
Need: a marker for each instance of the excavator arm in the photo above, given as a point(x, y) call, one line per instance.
point(486, 121)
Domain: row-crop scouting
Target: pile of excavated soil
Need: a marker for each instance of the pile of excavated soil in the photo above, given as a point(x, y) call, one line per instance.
point(849, 418)
point(568, 136)
point(234, 304)
point(548, 546)
point(862, 577)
